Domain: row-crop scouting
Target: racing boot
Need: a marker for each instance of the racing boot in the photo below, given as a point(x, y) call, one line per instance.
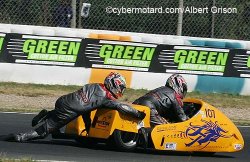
point(22, 137)
point(39, 117)
point(38, 133)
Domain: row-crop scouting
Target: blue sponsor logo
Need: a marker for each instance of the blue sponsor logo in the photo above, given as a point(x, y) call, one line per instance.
point(205, 134)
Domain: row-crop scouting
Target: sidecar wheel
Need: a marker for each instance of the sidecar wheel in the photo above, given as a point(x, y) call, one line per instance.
point(125, 141)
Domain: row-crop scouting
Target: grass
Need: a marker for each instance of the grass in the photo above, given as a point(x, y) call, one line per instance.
point(15, 160)
point(48, 92)
point(223, 100)
point(241, 122)
point(35, 90)
point(3, 158)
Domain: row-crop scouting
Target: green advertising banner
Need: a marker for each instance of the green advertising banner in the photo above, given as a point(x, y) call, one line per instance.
point(203, 61)
point(2, 36)
point(45, 50)
point(118, 55)
point(166, 58)
point(145, 57)
point(195, 60)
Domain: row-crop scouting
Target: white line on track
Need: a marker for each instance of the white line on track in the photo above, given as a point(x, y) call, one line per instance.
point(243, 126)
point(47, 160)
point(52, 161)
point(15, 113)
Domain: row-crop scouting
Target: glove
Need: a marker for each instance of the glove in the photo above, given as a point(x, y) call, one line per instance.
point(141, 115)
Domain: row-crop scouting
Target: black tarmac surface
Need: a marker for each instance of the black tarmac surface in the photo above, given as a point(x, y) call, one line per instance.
point(68, 150)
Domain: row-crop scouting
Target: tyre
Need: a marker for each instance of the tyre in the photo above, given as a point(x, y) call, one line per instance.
point(125, 141)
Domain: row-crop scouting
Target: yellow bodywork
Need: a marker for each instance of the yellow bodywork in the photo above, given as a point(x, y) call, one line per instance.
point(105, 121)
point(208, 131)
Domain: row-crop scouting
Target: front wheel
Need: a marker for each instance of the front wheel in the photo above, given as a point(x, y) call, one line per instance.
point(126, 141)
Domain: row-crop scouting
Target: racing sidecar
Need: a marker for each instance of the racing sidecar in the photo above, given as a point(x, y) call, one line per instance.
point(207, 130)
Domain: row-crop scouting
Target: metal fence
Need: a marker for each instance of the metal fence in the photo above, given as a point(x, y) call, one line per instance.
point(228, 19)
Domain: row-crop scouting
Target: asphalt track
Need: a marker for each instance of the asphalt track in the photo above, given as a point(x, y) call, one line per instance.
point(68, 150)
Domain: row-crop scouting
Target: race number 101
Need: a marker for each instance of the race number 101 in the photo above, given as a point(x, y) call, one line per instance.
point(210, 113)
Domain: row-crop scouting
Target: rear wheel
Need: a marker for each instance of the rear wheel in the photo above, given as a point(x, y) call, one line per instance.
point(125, 141)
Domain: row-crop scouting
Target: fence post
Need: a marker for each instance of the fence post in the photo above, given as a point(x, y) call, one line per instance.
point(79, 13)
point(213, 21)
point(73, 20)
point(180, 18)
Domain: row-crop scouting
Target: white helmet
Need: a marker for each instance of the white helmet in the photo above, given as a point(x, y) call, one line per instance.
point(116, 84)
point(178, 84)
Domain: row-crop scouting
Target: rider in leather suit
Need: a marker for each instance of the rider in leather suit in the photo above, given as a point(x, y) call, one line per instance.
point(81, 102)
point(165, 102)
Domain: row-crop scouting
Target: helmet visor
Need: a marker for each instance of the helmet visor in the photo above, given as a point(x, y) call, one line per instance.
point(122, 88)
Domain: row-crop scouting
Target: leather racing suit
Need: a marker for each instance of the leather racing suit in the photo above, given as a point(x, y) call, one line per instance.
point(164, 103)
point(81, 102)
